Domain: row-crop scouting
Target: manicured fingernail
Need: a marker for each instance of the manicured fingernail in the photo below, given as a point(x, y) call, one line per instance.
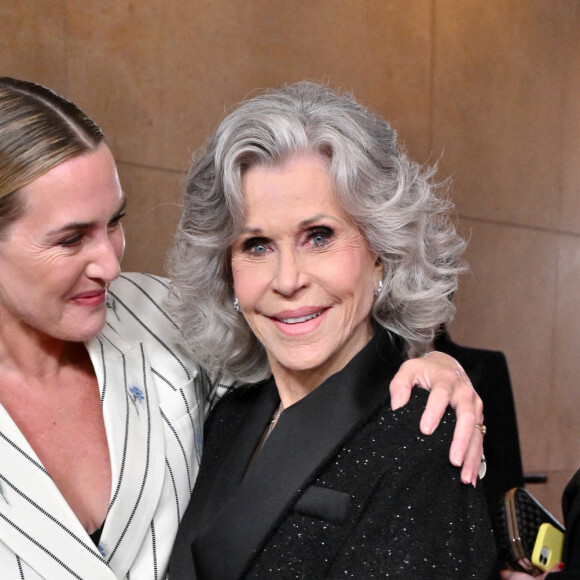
point(561, 566)
point(427, 429)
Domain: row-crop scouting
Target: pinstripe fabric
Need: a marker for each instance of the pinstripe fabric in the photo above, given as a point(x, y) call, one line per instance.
point(153, 399)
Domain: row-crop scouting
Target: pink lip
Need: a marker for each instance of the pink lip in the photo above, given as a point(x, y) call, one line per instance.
point(299, 312)
point(93, 298)
point(290, 323)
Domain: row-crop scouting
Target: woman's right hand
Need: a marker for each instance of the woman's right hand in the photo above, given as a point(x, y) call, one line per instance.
point(512, 575)
point(449, 385)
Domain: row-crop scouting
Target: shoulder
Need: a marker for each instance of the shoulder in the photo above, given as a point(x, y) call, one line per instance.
point(137, 307)
point(407, 452)
point(389, 444)
point(411, 494)
point(137, 313)
point(222, 428)
point(139, 292)
point(406, 420)
point(414, 463)
point(229, 412)
point(226, 418)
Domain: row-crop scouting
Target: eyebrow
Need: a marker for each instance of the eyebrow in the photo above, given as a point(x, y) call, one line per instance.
point(86, 225)
point(309, 221)
point(303, 224)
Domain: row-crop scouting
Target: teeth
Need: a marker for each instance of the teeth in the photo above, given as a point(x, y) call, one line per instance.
point(301, 319)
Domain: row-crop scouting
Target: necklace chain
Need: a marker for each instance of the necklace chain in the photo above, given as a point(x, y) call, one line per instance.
point(275, 418)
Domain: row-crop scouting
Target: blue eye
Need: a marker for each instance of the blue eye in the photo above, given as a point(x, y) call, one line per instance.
point(320, 236)
point(255, 246)
point(259, 249)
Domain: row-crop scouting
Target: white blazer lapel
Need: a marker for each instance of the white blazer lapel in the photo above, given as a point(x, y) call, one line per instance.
point(136, 445)
point(35, 520)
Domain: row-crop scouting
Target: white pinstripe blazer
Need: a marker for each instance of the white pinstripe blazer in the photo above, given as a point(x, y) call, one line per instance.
point(153, 399)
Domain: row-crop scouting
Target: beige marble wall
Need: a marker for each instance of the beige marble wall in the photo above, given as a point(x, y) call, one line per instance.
point(493, 86)
point(506, 113)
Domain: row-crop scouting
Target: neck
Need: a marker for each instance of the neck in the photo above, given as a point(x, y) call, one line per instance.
point(294, 384)
point(29, 354)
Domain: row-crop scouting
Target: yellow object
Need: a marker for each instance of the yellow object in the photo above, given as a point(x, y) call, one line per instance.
point(548, 547)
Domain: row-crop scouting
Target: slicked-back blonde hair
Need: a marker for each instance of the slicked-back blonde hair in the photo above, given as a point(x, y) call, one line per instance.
point(39, 129)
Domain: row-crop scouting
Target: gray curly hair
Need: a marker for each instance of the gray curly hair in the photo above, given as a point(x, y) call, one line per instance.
point(389, 197)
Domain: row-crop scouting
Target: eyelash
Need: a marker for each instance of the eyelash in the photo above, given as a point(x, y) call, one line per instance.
point(75, 240)
point(70, 241)
point(117, 220)
point(323, 231)
point(249, 246)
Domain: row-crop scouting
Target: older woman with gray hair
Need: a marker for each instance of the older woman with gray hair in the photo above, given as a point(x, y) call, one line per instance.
point(101, 405)
point(313, 257)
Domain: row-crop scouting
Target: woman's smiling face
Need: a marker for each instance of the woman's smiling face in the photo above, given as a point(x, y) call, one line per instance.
point(57, 259)
point(303, 273)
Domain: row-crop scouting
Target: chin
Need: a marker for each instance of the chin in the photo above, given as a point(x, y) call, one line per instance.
point(82, 332)
point(304, 363)
point(77, 336)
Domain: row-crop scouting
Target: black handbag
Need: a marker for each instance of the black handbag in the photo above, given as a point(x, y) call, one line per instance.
point(521, 516)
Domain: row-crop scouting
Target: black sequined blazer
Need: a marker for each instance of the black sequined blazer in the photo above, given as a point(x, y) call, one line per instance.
point(343, 488)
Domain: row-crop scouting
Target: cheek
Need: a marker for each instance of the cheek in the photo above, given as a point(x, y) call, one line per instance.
point(250, 280)
point(350, 273)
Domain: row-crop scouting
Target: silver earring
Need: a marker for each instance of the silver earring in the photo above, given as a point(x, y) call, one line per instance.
point(379, 288)
point(237, 305)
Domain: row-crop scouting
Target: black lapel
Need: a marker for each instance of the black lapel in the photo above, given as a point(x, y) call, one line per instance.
point(306, 435)
point(224, 470)
point(210, 497)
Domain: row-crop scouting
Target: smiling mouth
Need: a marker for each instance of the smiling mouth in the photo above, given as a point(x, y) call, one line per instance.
point(89, 294)
point(300, 319)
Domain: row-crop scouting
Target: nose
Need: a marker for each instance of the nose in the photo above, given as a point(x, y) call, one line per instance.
point(290, 275)
point(104, 263)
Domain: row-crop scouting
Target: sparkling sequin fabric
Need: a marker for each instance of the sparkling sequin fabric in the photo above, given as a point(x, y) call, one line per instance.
point(384, 502)
point(410, 516)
